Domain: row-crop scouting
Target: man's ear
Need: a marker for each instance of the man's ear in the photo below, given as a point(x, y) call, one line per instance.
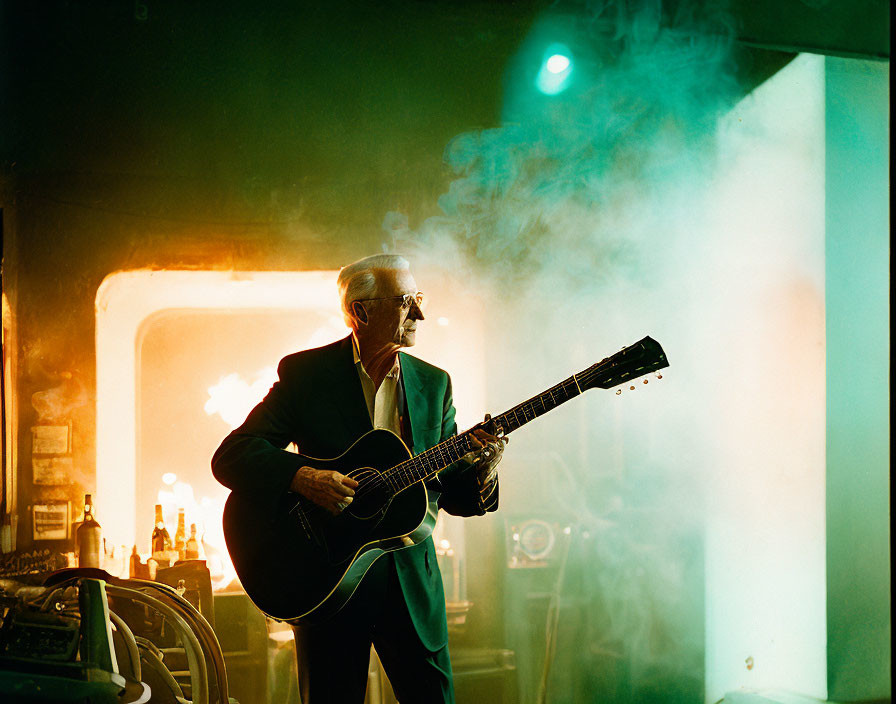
point(359, 312)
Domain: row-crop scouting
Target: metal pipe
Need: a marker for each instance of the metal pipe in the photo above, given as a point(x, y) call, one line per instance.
point(195, 658)
point(129, 641)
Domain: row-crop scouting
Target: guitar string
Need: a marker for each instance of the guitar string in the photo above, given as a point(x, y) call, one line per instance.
point(419, 462)
point(588, 377)
point(406, 470)
point(409, 469)
point(437, 449)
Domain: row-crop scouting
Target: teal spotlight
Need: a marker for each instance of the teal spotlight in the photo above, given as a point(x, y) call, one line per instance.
point(557, 63)
point(555, 71)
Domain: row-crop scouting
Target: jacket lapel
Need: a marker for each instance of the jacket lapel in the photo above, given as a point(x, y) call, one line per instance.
point(417, 406)
point(346, 393)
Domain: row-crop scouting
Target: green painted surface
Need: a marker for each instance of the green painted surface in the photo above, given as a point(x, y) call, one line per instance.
point(858, 360)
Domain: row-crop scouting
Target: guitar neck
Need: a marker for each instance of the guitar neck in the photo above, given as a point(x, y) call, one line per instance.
point(435, 459)
point(536, 406)
point(631, 362)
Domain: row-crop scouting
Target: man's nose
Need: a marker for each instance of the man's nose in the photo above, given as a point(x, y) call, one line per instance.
point(415, 313)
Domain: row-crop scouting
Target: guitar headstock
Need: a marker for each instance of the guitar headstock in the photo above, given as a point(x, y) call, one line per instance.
point(629, 363)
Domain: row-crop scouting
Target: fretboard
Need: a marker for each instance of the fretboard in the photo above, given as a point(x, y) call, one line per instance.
point(435, 459)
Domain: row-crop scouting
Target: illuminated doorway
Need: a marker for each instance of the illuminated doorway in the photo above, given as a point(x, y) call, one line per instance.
point(172, 344)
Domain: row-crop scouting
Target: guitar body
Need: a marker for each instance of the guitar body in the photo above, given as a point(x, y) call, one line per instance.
point(302, 564)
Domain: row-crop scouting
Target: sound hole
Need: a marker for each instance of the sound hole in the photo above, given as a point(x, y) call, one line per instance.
point(372, 495)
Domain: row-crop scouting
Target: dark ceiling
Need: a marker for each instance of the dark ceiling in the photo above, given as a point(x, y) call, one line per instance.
point(849, 28)
point(255, 105)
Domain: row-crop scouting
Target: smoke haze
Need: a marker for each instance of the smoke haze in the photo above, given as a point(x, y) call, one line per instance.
point(585, 221)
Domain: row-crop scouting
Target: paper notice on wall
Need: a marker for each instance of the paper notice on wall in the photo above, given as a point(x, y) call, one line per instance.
point(51, 521)
point(52, 471)
point(50, 439)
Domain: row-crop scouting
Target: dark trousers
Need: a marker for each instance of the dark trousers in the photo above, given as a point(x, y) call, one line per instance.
point(333, 657)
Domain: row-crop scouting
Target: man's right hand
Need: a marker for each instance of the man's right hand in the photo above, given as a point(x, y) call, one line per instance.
point(325, 487)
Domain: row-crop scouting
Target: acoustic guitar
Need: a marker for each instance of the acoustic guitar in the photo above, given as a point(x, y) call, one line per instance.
point(302, 564)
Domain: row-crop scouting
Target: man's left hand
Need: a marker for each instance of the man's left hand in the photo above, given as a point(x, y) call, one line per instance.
point(486, 456)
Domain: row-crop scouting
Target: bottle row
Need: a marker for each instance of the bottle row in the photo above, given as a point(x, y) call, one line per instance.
point(165, 551)
point(91, 552)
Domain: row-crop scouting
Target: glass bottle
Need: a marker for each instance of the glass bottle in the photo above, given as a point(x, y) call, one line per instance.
point(134, 564)
point(191, 550)
point(89, 537)
point(161, 540)
point(180, 535)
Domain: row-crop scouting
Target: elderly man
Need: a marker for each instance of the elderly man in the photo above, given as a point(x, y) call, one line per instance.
point(325, 399)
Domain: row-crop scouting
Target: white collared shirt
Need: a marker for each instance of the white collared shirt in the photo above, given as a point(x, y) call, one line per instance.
point(382, 403)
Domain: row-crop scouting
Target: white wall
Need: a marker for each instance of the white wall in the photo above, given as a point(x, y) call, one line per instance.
point(765, 552)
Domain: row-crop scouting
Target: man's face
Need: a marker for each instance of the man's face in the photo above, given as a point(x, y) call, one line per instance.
point(388, 321)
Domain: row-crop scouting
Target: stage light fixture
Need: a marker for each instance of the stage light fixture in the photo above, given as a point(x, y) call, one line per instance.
point(555, 71)
point(557, 63)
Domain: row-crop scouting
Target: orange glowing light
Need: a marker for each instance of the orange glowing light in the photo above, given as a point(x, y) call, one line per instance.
point(233, 397)
point(206, 513)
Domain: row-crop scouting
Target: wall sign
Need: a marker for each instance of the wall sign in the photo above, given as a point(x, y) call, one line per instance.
point(52, 471)
point(51, 439)
point(52, 520)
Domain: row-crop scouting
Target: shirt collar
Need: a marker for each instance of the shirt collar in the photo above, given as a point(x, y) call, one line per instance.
point(356, 357)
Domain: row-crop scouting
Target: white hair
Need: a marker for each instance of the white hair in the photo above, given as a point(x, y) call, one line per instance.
point(357, 281)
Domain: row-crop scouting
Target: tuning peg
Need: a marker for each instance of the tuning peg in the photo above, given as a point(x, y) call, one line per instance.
point(631, 388)
point(658, 375)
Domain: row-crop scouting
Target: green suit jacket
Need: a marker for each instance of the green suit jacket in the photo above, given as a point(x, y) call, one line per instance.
point(318, 404)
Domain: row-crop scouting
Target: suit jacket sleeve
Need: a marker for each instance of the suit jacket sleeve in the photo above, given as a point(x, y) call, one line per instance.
point(252, 458)
point(460, 487)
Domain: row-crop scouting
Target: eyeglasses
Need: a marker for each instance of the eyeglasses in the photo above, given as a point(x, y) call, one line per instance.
point(406, 299)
